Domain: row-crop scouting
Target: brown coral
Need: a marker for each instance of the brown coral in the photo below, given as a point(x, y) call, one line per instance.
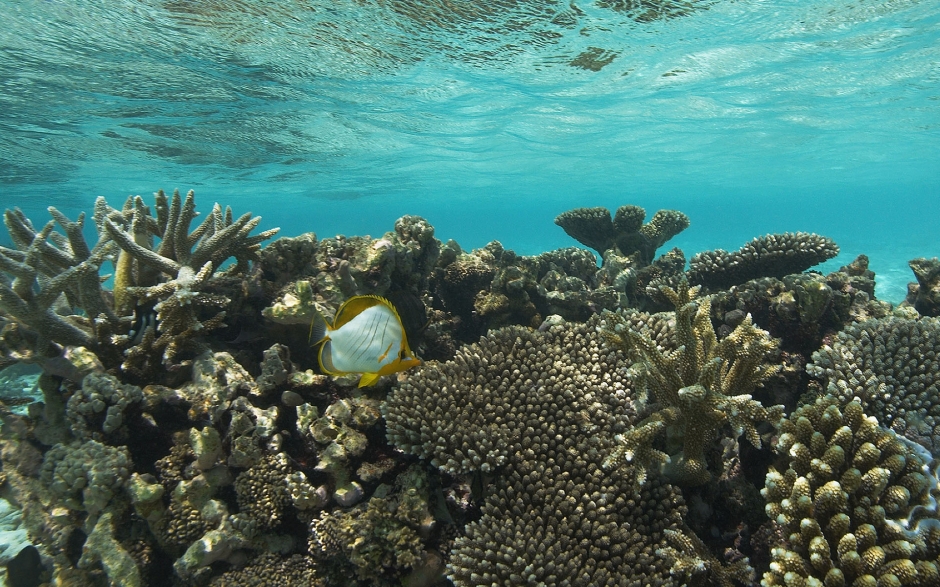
point(539, 410)
point(846, 501)
point(700, 386)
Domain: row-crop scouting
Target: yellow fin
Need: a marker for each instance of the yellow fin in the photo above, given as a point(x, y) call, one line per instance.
point(368, 379)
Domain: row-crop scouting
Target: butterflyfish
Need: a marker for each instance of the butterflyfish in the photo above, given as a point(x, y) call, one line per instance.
point(366, 337)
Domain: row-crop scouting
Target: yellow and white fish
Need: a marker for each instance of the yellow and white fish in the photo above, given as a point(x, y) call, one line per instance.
point(366, 337)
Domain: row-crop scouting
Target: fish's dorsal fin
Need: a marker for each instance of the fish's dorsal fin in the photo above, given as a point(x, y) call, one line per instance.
point(356, 305)
point(318, 328)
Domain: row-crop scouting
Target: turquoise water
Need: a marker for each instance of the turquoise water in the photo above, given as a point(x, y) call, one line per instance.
point(489, 118)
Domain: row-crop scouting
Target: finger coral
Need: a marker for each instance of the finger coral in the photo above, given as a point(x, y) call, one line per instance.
point(538, 411)
point(891, 366)
point(852, 501)
point(772, 255)
point(700, 386)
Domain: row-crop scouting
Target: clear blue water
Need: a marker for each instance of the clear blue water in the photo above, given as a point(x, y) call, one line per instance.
point(488, 118)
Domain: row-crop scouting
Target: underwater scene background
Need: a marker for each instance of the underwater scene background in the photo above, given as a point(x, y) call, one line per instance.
point(670, 267)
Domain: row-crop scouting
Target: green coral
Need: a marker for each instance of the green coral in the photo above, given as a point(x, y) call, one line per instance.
point(700, 386)
point(853, 503)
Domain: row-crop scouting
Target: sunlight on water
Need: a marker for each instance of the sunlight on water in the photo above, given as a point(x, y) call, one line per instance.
point(489, 118)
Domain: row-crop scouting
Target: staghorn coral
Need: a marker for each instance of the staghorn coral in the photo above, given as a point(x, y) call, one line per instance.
point(891, 366)
point(45, 266)
point(537, 411)
point(772, 255)
point(594, 228)
point(175, 277)
point(163, 293)
point(852, 503)
point(216, 239)
point(699, 386)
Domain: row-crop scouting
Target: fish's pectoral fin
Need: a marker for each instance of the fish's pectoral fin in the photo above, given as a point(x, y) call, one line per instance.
point(384, 355)
point(368, 379)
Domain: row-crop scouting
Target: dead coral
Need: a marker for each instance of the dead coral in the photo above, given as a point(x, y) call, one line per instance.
point(699, 387)
point(924, 295)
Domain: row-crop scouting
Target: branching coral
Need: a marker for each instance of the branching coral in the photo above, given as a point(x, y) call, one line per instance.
point(44, 266)
point(852, 503)
point(171, 278)
point(700, 386)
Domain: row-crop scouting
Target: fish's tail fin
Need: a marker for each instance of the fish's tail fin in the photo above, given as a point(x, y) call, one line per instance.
point(317, 328)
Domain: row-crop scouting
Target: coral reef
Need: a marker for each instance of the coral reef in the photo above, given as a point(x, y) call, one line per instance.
point(571, 424)
point(537, 412)
point(804, 308)
point(772, 255)
point(890, 365)
point(48, 270)
point(852, 502)
point(393, 520)
point(700, 386)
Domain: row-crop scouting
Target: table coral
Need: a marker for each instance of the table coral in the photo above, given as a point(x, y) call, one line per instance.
point(891, 365)
point(772, 255)
point(853, 502)
point(701, 385)
point(538, 411)
point(594, 228)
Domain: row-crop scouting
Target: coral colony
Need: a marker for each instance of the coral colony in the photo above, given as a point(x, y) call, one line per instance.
point(576, 420)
